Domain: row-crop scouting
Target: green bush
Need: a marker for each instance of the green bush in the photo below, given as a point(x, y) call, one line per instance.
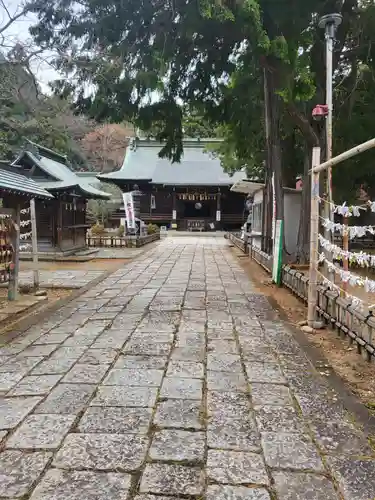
point(121, 231)
point(97, 229)
point(152, 229)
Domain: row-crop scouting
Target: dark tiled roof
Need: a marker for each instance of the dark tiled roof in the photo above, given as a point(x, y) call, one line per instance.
point(14, 182)
point(197, 166)
point(61, 177)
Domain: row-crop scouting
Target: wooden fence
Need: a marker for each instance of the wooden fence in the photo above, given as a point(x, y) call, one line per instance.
point(121, 241)
point(337, 312)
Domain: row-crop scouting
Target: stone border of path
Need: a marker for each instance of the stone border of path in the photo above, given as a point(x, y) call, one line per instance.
point(25, 323)
point(320, 362)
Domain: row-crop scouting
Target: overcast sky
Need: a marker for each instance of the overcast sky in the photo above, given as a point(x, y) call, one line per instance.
point(18, 32)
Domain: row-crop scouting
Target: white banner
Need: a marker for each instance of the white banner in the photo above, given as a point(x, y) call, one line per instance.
point(129, 210)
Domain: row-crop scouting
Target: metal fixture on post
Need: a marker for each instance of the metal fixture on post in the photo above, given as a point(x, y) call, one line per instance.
point(329, 23)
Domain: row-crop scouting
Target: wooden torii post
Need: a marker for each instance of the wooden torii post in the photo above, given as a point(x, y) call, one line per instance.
point(318, 167)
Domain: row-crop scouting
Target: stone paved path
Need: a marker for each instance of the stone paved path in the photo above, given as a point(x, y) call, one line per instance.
point(173, 379)
point(63, 278)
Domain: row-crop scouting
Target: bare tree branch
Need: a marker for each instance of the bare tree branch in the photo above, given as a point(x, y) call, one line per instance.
point(2, 3)
point(14, 18)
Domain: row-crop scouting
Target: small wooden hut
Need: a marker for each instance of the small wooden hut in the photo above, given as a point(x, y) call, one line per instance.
point(61, 222)
point(16, 190)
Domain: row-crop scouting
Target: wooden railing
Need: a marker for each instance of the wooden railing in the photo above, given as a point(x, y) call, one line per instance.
point(338, 313)
point(121, 241)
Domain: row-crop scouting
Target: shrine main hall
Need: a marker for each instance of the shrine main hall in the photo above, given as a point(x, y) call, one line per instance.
point(193, 194)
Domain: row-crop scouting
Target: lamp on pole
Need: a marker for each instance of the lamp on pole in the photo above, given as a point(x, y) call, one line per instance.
point(329, 23)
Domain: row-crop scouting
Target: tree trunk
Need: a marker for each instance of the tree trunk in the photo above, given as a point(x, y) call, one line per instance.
point(274, 161)
point(302, 251)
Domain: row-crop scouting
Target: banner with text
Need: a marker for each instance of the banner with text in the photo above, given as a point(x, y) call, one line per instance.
point(129, 210)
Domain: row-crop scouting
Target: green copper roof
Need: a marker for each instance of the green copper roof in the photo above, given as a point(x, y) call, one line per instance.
point(197, 167)
point(58, 175)
point(14, 182)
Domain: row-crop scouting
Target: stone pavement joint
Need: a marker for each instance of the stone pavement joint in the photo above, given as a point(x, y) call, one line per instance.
point(173, 378)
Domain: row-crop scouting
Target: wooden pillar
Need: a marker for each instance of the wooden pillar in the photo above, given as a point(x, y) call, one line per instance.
point(174, 209)
point(314, 240)
point(59, 224)
point(218, 210)
point(34, 241)
point(13, 278)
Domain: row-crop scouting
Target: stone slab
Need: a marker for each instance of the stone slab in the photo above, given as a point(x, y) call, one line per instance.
point(341, 438)
point(178, 446)
point(19, 470)
point(67, 399)
point(141, 378)
point(9, 380)
point(270, 395)
point(98, 356)
point(41, 432)
point(53, 366)
point(35, 385)
point(234, 434)
point(185, 369)
point(115, 420)
point(166, 479)
point(85, 374)
point(224, 363)
point(125, 396)
point(188, 354)
point(181, 388)
point(234, 467)
point(290, 451)
point(354, 476)
point(39, 350)
point(52, 338)
point(236, 493)
point(297, 486)
point(121, 452)
point(129, 362)
point(220, 347)
point(264, 372)
point(82, 485)
point(224, 406)
point(20, 365)
point(225, 381)
point(14, 410)
point(279, 419)
point(181, 413)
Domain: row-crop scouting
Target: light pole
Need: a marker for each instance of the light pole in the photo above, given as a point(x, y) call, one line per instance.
point(329, 23)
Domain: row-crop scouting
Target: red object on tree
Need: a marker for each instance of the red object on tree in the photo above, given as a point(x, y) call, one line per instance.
point(320, 111)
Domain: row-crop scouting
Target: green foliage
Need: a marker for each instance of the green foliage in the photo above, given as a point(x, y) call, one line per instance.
point(97, 229)
point(26, 114)
point(100, 210)
point(120, 231)
point(152, 229)
point(150, 61)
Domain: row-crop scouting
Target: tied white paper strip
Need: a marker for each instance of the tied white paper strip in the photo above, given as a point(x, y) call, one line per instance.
point(348, 277)
point(4, 216)
point(25, 211)
point(350, 210)
point(354, 300)
point(351, 231)
point(25, 248)
point(26, 236)
point(361, 258)
point(25, 223)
